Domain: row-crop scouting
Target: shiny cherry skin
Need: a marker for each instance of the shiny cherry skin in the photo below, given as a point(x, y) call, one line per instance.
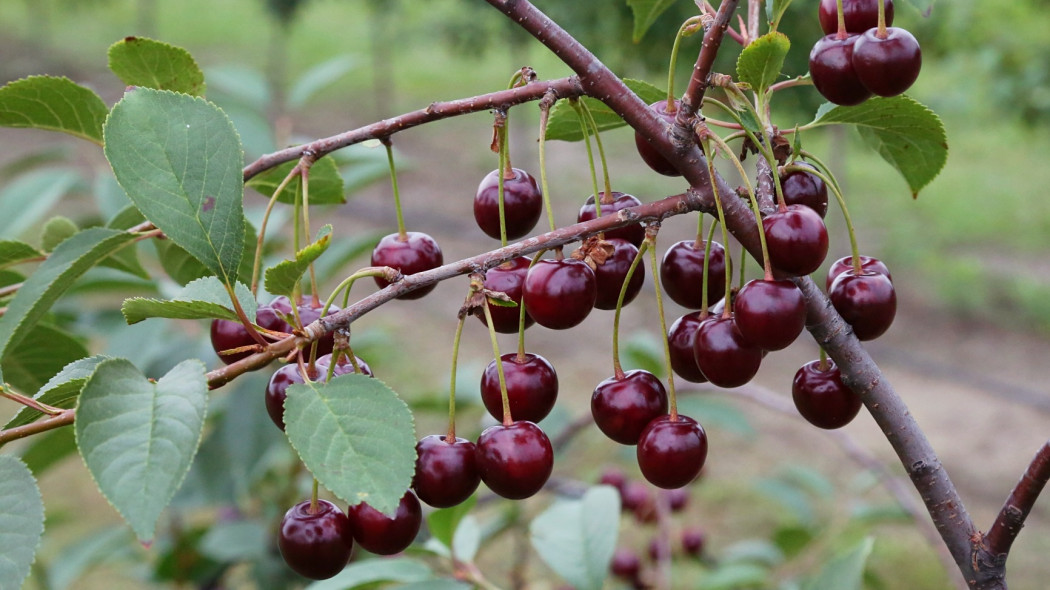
point(797, 240)
point(514, 461)
point(277, 390)
point(682, 273)
point(868, 302)
point(308, 314)
point(343, 367)
point(611, 274)
point(559, 294)
point(867, 263)
point(770, 314)
point(622, 408)
point(802, 188)
point(633, 233)
point(821, 397)
point(680, 338)
point(671, 453)
point(316, 544)
point(831, 69)
point(723, 355)
point(860, 15)
point(446, 473)
point(649, 155)
point(415, 253)
point(887, 65)
point(693, 541)
point(381, 534)
point(532, 387)
point(522, 204)
point(227, 335)
point(507, 278)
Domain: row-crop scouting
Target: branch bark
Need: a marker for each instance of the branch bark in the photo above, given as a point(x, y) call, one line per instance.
point(1015, 510)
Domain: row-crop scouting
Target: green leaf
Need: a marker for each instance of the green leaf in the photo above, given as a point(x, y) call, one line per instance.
point(317, 78)
point(735, 576)
point(791, 540)
point(845, 571)
point(356, 436)
point(564, 125)
point(902, 130)
point(39, 356)
point(183, 268)
point(127, 259)
point(204, 298)
point(282, 278)
point(57, 230)
point(100, 547)
point(775, 11)
point(645, 14)
point(26, 200)
point(241, 540)
point(40, 290)
point(14, 252)
point(138, 437)
point(577, 538)
point(21, 521)
point(757, 551)
point(49, 449)
point(55, 104)
point(760, 62)
point(326, 185)
point(404, 570)
point(717, 413)
point(179, 160)
point(139, 61)
point(442, 523)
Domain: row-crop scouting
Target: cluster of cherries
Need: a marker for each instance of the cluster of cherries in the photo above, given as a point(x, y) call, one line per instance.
point(861, 54)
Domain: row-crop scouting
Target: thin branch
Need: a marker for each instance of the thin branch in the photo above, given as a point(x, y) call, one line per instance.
point(1017, 506)
point(694, 94)
point(50, 423)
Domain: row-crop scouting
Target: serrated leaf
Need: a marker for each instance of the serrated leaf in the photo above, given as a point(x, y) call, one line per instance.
point(204, 298)
point(845, 571)
point(61, 390)
point(282, 277)
point(183, 268)
point(356, 436)
point(902, 130)
point(645, 14)
point(775, 11)
point(138, 438)
point(26, 200)
point(577, 538)
point(14, 252)
point(564, 125)
point(55, 104)
point(326, 185)
point(760, 62)
point(317, 78)
point(404, 570)
point(21, 521)
point(57, 230)
point(139, 61)
point(179, 160)
point(39, 356)
point(126, 259)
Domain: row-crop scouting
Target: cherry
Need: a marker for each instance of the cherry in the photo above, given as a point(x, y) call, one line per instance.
point(677, 499)
point(514, 461)
point(343, 367)
point(680, 338)
point(316, 544)
point(887, 65)
point(866, 301)
point(532, 387)
point(797, 240)
point(615, 477)
point(625, 564)
point(693, 541)
point(672, 452)
point(611, 274)
point(821, 397)
point(636, 497)
point(308, 314)
point(802, 188)
point(227, 335)
point(633, 233)
point(507, 278)
point(831, 69)
point(415, 253)
point(860, 15)
point(725, 358)
point(381, 534)
point(682, 272)
point(770, 314)
point(559, 294)
point(446, 472)
point(622, 407)
point(522, 204)
point(649, 155)
point(277, 390)
point(867, 263)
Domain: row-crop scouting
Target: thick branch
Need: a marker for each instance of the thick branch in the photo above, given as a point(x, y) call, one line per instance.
point(1017, 506)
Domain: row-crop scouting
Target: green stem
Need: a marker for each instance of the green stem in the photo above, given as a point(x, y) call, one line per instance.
point(845, 211)
point(601, 154)
point(707, 268)
point(544, 116)
point(450, 438)
point(313, 498)
point(257, 263)
point(585, 130)
point(688, 28)
point(521, 313)
point(881, 31)
point(348, 282)
point(297, 238)
point(729, 155)
point(507, 419)
point(823, 360)
point(741, 272)
point(651, 241)
point(305, 173)
point(241, 315)
point(721, 222)
point(842, 33)
point(402, 234)
point(504, 168)
point(617, 368)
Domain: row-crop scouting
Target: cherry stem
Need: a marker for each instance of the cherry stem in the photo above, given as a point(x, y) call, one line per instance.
point(728, 307)
point(257, 263)
point(507, 420)
point(545, 111)
point(881, 31)
point(348, 282)
point(504, 169)
point(687, 29)
point(313, 498)
point(707, 267)
point(824, 359)
point(743, 264)
point(828, 180)
point(305, 174)
point(617, 368)
point(841, 34)
point(699, 231)
point(650, 241)
point(402, 234)
point(243, 316)
point(522, 312)
point(585, 130)
point(451, 437)
point(601, 153)
point(30, 402)
point(762, 146)
point(296, 238)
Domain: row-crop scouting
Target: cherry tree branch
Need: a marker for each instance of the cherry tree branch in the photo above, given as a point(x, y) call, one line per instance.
point(1017, 506)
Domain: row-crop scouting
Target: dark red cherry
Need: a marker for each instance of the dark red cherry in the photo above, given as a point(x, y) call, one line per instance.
point(615, 477)
point(680, 338)
point(532, 387)
point(867, 264)
point(308, 314)
point(821, 397)
point(723, 355)
point(227, 335)
point(831, 69)
point(676, 498)
point(315, 544)
point(381, 534)
point(611, 274)
point(633, 233)
point(887, 65)
point(802, 188)
point(343, 367)
point(682, 273)
point(507, 278)
point(860, 15)
point(623, 407)
point(277, 390)
point(415, 253)
point(646, 150)
point(770, 314)
point(671, 453)
point(522, 204)
point(866, 301)
point(514, 461)
point(446, 473)
point(797, 240)
point(693, 541)
point(636, 497)
point(625, 564)
point(559, 294)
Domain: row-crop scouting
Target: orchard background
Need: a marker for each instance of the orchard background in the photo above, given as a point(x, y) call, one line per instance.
point(779, 500)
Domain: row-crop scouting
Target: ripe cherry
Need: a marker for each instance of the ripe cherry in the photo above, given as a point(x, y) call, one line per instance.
point(676, 498)
point(514, 461)
point(615, 477)
point(646, 150)
point(227, 335)
point(802, 188)
point(770, 314)
point(315, 544)
point(860, 15)
point(611, 274)
point(671, 453)
point(623, 407)
point(381, 534)
point(797, 240)
point(625, 564)
point(415, 253)
point(637, 498)
point(682, 272)
point(559, 294)
point(507, 278)
point(867, 263)
point(343, 367)
point(532, 387)
point(887, 65)
point(633, 233)
point(522, 204)
point(821, 397)
point(277, 390)
point(308, 314)
point(831, 69)
point(693, 541)
point(866, 301)
point(723, 355)
point(446, 472)
point(680, 338)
